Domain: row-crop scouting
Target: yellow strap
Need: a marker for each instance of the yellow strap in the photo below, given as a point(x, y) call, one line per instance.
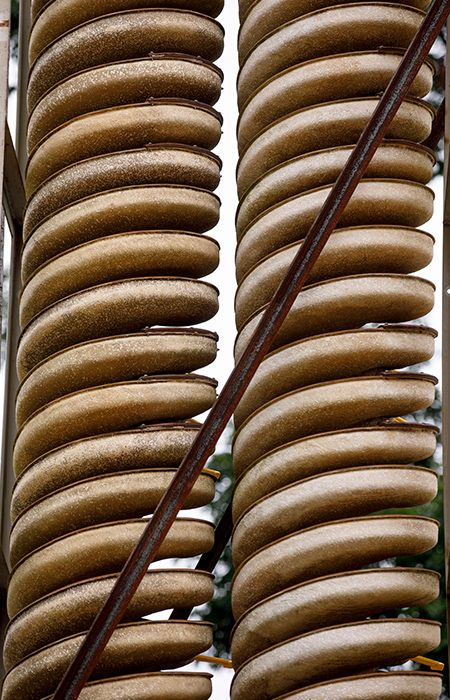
point(216, 474)
point(215, 660)
point(434, 665)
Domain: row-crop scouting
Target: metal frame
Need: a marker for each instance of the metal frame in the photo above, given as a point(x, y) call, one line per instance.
point(145, 550)
point(6, 186)
point(446, 353)
point(14, 202)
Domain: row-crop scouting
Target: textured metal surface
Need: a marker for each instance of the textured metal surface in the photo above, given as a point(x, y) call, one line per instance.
point(117, 358)
point(131, 304)
point(391, 443)
point(120, 496)
point(261, 17)
point(349, 251)
point(347, 302)
point(343, 544)
point(119, 184)
point(381, 686)
point(392, 202)
point(122, 128)
point(167, 685)
point(325, 125)
point(124, 83)
point(329, 600)
point(343, 650)
point(334, 356)
point(316, 459)
point(339, 494)
point(394, 159)
point(135, 647)
point(95, 551)
point(111, 407)
point(59, 613)
point(138, 31)
point(437, 131)
point(147, 447)
point(168, 164)
point(117, 257)
point(332, 30)
point(51, 20)
point(325, 79)
point(326, 406)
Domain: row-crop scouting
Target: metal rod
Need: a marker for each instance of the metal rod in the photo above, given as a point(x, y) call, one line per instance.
point(13, 188)
point(446, 361)
point(15, 284)
point(208, 561)
point(437, 130)
point(167, 509)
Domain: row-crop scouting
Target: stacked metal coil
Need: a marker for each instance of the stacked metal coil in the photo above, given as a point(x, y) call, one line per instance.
point(319, 451)
point(120, 191)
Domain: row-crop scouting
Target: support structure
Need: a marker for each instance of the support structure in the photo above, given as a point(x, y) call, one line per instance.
point(178, 491)
point(446, 342)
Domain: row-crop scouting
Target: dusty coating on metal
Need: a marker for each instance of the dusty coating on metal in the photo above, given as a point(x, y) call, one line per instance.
point(122, 128)
point(125, 83)
point(139, 32)
point(111, 359)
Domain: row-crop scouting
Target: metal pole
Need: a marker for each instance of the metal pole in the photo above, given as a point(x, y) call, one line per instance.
point(208, 561)
point(5, 16)
point(446, 357)
point(145, 550)
point(15, 199)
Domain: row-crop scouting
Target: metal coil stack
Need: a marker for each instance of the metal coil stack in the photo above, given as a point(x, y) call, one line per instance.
point(319, 450)
point(120, 191)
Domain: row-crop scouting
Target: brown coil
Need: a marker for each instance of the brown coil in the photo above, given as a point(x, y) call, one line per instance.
point(120, 184)
point(318, 452)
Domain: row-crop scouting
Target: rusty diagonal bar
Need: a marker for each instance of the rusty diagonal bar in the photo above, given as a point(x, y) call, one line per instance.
point(172, 501)
point(208, 561)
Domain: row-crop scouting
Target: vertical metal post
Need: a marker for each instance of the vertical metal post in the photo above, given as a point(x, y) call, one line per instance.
point(5, 16)
point(11, 382)
point(22, 81)
point(446, 345)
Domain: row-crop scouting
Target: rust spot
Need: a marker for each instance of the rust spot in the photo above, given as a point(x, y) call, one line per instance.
point(4, 23)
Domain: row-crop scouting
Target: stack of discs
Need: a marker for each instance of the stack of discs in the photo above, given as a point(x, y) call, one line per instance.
point(318, 450)
point(120, 191)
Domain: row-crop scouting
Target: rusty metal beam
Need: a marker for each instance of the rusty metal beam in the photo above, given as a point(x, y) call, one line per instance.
point(13, 188)
point(208, 561)
point(172, 501)
point(446, 353)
